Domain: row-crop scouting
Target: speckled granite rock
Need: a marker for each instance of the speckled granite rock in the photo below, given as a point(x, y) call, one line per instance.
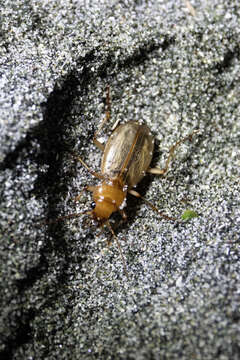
point(64, 294)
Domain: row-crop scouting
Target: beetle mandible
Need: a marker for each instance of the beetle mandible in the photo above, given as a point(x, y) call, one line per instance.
point(126, 159)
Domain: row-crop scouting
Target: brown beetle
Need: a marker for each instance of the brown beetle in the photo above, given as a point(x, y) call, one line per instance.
point(126, 159)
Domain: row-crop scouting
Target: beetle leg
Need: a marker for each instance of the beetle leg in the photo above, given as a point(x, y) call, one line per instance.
point(97, 175)
point(190, 8)
point(163, 171)
point(156, 171)
point(136, 194)
point(106, 119)
point(98, 144)
point(86, 188)
point(123, 214)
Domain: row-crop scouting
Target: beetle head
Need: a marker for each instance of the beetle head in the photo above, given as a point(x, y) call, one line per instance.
point(108, 197)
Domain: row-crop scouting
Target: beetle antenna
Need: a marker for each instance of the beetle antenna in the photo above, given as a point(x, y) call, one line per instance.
point(119, 247)
point(66, 217)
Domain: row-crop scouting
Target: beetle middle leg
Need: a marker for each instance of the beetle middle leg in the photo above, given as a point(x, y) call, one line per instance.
point(105, 120)
point(94, 173)
point(163, 171)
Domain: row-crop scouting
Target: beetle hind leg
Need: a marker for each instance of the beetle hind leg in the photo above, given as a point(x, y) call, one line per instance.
point(163, 171)
point(154, 208)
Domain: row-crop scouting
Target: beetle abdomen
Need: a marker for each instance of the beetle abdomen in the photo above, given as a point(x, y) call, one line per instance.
point(128, 153)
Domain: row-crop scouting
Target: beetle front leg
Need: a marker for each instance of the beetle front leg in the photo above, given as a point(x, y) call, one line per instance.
point(86, 188)
point(123, 214)
point(163, 171)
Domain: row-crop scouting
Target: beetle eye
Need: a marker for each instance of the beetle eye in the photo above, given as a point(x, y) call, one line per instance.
point(93, 205)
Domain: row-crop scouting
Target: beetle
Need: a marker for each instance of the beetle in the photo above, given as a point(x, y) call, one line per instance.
point(126, 159)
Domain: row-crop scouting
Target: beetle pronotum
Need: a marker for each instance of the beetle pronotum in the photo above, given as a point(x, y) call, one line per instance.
point(126, 159)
